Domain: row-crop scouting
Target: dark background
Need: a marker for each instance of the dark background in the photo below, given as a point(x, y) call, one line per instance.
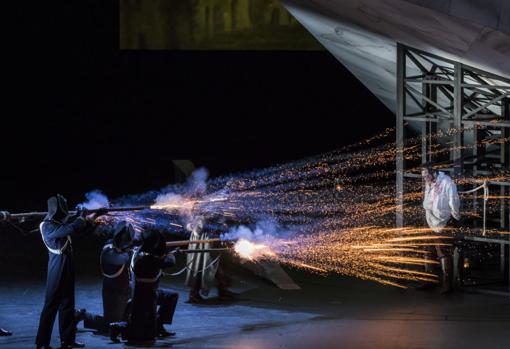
point(78, 113)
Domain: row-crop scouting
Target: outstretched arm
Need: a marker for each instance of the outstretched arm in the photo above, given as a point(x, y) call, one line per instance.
point(67, 229)
point(115, 258)
point(168, 261)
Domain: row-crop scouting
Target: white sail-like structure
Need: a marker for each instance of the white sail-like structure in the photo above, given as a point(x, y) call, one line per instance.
point(363, 34)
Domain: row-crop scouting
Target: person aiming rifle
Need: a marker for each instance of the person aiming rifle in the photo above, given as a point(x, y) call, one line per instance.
point(57, 230)
point(152, 306)
point(114, 260)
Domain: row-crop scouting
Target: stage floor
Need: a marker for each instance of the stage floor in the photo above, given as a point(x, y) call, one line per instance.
point(326, 313)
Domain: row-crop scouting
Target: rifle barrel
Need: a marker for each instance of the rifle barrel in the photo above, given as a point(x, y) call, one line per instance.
point(190, 242)
point(206, 250)
point(6, 216)
point(122, 209)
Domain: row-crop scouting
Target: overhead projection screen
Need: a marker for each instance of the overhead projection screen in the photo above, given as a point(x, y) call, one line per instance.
point(211, 25)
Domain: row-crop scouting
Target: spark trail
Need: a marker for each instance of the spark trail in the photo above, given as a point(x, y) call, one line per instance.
point(332, 213)
point(368, 253)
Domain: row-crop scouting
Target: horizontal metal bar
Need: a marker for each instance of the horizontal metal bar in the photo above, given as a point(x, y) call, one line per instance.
point(465, 122)
point(501, 87)
point(501, 184)
point(417, 118)
point(430, 82)
point(486, 123)
point(487, 240)
point(437, 113)
point(486, 117)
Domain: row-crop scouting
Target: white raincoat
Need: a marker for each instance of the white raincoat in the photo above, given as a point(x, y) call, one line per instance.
point(441, 202)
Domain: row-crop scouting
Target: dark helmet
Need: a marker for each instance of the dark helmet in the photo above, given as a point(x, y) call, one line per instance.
point(123, 234)
point(57, 209)
point(153, 242)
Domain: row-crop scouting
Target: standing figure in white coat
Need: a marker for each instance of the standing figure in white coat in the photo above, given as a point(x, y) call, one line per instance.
point(441, 203)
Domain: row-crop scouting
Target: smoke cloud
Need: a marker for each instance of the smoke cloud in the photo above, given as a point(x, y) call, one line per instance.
point(95, 199)
point(266, 231)
point(197, 183)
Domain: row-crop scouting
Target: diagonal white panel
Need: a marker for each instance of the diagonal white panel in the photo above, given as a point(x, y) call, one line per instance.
point(363, 34)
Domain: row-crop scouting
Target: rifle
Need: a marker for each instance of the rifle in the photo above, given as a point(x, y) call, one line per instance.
point(6, 216)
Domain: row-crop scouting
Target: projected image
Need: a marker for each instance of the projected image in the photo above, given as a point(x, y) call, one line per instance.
point(211, 25)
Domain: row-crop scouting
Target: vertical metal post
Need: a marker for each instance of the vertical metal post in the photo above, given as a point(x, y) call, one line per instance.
point(424, 141)
point(401, 67)
point(424, 125)
point(457, 120)
point(427, 127)
point(504, 157)
point(505, 160)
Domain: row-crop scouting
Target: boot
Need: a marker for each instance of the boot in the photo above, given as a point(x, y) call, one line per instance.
point(116, 329)
point(4, 333)
point(69, 345)
point(446, 275)
point(162, 332)
point(426, 285)
point(195, 298)
point(226, 294)
point(79, 315)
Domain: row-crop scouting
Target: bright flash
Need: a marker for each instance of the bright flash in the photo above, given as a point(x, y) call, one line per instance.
point(248, 250)
point(174, 206)
point(175, 202)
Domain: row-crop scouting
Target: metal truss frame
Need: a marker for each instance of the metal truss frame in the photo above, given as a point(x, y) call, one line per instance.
point(437, 93)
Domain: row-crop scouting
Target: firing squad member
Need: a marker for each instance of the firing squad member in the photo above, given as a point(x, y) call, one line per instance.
point(146, 320)
point(114, 261)
point(57, 229)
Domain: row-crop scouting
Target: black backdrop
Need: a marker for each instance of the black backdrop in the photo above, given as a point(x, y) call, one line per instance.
point(79, 114)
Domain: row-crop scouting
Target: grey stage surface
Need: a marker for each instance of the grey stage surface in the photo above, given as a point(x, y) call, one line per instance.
point(327, 313)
